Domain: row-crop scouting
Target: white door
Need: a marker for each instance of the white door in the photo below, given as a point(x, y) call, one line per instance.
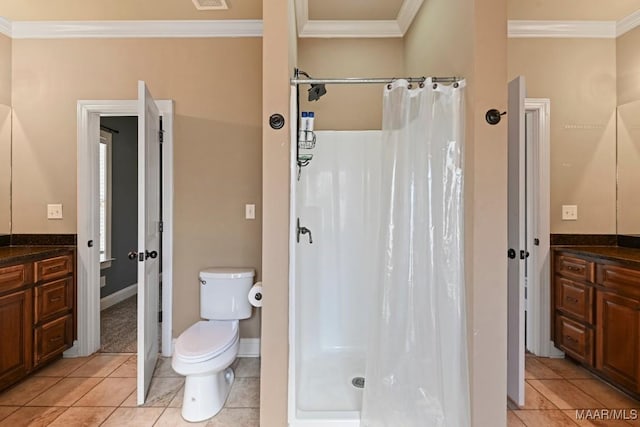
point(148, 237)
point(517, 251)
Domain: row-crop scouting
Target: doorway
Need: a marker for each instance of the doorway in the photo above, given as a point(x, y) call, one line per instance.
point(89, 114)
point(118, 204)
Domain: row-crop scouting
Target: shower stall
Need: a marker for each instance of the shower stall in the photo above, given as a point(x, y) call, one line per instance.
point(329, 296)
point(337, 239)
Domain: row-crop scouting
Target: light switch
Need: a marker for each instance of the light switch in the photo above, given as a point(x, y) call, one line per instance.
point(569, 212)
point(54, 211)
point(250, 211)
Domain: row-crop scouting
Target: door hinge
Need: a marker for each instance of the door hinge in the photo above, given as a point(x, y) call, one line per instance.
point(160, 316)
point(161, 136)
point(160, 226)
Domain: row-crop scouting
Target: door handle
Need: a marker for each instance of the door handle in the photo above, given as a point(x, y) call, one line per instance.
point(132, 255)
point(511, 253)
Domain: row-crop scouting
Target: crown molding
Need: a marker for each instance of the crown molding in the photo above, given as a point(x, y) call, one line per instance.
point(351, 29)
point(562, 29)
point(407, 13)
point(628, 23)
point(134, 29)
point(5, 26)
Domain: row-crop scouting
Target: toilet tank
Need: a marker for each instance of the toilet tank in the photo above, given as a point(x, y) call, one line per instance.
point(224, 293)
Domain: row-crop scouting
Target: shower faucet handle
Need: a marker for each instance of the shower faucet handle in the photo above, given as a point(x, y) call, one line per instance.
point(302, 230)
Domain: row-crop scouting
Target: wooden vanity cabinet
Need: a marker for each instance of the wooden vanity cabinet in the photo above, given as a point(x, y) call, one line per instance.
point(37, 301)
point(17, 327)
point(597, 316)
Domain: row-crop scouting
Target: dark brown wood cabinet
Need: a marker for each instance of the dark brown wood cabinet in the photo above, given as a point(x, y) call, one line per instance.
point(37, 314)
point(618, 335)
point(596, 314)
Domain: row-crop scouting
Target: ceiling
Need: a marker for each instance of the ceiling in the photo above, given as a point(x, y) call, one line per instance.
point(355, 10)
point(98, 10)
point(571, 10)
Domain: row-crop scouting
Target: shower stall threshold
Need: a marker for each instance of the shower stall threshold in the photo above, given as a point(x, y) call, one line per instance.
point(326, 419)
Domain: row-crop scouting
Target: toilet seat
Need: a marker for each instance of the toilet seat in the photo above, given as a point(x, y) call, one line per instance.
point(205, 340)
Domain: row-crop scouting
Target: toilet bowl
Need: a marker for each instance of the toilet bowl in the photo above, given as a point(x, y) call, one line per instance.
point(205, 351)
point(203, 355)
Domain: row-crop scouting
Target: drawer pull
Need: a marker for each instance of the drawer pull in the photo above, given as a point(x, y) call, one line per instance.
point(56, 299)
point(54, 339)
point(572, 268)
point(571, 339)
point(571, 299)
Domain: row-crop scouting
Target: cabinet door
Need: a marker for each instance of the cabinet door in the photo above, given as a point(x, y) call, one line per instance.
point(617, 339)
point(15, 336)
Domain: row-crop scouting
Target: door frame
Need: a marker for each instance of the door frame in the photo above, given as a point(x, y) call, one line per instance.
point(538, 329)
point(88, 298)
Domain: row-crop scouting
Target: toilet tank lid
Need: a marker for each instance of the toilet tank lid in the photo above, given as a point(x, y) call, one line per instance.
point(226, 273)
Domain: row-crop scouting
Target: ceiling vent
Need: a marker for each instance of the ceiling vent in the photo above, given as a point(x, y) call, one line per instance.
point(211, 4)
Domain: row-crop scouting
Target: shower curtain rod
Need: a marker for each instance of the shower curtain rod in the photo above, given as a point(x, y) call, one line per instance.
point(357, 80)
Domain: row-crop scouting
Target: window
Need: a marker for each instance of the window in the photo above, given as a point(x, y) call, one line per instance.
point(105, 198)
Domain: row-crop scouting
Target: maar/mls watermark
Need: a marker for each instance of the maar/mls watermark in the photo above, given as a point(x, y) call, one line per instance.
point(607, 414)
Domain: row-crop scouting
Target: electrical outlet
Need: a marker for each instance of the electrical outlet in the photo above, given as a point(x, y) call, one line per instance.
point(569, 212)
point(250, 211)
point(54, 211)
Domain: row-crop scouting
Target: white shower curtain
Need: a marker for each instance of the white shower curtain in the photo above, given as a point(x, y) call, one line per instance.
point(416, 374)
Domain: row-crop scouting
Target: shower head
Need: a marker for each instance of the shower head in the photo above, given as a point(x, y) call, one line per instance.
point(316, 91)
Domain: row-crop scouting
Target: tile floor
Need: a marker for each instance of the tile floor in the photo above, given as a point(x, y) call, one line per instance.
point(100, 390)
point(557, 389)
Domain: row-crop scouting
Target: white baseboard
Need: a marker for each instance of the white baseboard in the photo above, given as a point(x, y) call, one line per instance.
point(118, 296)
point(249, 347)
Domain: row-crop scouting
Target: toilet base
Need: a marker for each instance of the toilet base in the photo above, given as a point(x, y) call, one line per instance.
point(204, 396)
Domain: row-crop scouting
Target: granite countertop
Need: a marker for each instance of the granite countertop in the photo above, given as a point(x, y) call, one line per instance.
point(17, 254)
point(614, 253)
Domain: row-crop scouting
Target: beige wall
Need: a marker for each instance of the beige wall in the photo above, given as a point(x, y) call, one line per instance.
point(278, 57)
point(217, 154)
point(628, 66)
point(468, 38)
point(349, 107)
point(579, 76)
point(5, 70)
point(5, 134)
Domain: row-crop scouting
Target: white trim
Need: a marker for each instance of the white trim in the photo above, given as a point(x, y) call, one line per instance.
point(562, 29)
point(628, 23)
point(5, 27)
point(89, 113)
point(146, 29)
point(407, 13)
point(119, 296)
point(539, 288)
point(351, 29)
point(302, 14)
point(249, 347)
point(356, 28)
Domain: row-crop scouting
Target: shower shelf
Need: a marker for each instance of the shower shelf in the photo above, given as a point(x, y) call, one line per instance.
point(305, 142)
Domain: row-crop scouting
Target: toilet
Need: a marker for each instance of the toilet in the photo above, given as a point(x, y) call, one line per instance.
point(205, 351)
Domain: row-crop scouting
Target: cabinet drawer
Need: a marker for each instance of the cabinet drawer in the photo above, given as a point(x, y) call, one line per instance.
point(574, 298)
point(53, 268)
point(574, 338)
point(53, 298)
point(52, 338)
point(623, 279)
point(574, 268)
point(13, 277)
